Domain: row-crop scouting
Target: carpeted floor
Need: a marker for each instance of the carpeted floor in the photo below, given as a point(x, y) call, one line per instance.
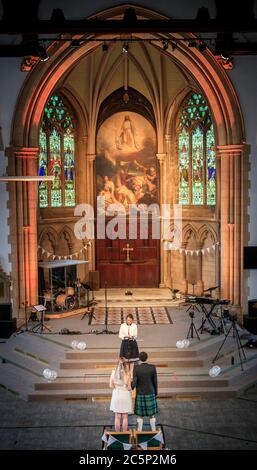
point(142, 315)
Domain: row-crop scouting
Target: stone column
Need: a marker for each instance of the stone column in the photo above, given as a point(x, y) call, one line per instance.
point(232, 221)
point(184, 282)
point(91, 200)
point(161, 157)
point(199, 283)
point(23, 161)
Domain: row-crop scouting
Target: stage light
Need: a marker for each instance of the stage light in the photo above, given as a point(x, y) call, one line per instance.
point(105, 47)
point(75, 43)
point(214, 371)
point(42, 53)
point(202, 47)
point(125, 48)
point(165, 45)
point(74, 344)
point(81, 345)
point(192, 44)
point(186, 343)
point(179, 344)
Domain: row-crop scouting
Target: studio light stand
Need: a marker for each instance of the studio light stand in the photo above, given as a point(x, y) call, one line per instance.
point(192, 327)
point(235, 335)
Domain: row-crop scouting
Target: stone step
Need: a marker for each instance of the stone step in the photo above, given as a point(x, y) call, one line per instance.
point(26, 363)
point(163, 382)
point(110, 364)
point(18, 382)
point(195, 393)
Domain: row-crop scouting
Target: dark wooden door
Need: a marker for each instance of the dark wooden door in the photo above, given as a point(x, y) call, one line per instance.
point(142, 269)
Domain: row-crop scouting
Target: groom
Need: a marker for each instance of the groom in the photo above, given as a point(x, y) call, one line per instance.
point(145, 382)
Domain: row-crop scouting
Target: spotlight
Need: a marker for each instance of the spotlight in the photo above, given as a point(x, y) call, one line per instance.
point(42, 54)
point(165, 45)
point(75, 43)
point(125, 48)
point(105, 47)
point(202, 47)
point(192, 44)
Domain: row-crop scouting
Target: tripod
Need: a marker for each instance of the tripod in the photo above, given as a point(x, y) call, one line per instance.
point(192, 327)
point(105, 330)
point(235, 334)
point(40, 327)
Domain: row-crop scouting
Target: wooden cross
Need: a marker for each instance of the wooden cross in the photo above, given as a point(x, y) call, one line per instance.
point(128, 249)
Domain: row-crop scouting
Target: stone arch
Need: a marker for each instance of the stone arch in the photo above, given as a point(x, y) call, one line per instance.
point(65, 241)
point(48, 240)
point(211, 79)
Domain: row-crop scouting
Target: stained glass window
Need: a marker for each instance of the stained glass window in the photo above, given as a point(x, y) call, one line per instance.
point(183, 146)
point(57, 155)
point(196, 153)
point(43, 193)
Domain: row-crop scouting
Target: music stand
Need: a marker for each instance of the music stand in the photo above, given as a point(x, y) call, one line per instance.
point(40, 327)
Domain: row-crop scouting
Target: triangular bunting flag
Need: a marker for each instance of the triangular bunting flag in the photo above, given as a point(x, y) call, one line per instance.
point(208, 249)
point(127, 446)
point(111, 440)
point(159, 437)
point(104, 437)
point(203, 251)
point(143, 445)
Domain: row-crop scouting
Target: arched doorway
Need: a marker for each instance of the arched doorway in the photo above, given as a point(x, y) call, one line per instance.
point(211, 80)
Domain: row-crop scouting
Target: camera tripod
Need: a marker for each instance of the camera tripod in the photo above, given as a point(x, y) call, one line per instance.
point(235, 335)
point(192, 327)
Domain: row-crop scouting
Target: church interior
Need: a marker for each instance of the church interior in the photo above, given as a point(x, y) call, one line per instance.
point(128, 165)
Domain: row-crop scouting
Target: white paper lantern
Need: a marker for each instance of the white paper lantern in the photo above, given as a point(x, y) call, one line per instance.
point(179, 344)
point(53, 375)
point(214, 371)
point(47, 373)
point(74, 344)
point(186, 343)
point(81, 345)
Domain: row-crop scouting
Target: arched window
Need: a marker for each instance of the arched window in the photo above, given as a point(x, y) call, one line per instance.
point(57, 155)
point(196, 153)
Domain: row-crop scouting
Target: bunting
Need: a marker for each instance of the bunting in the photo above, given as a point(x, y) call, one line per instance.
point(170, 247)
point(113, 439)
point(65, 257)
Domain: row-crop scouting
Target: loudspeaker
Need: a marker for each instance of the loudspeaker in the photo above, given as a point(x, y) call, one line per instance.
point(252, 308)
point(250, 323)
point(7, 328)
point(6, 311)
point(94, 280)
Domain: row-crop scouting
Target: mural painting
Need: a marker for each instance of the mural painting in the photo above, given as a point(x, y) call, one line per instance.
point(126, 171)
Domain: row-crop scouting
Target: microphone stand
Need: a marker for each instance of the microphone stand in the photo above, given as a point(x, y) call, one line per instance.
point(105, 330)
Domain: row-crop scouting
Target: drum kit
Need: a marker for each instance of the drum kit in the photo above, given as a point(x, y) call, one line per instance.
point(61, 298)
point(66, 298)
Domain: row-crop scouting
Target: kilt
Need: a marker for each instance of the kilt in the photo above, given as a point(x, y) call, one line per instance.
point(146, 405)
point(129, 350)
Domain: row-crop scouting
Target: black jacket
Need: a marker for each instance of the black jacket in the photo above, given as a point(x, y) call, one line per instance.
point(145, 379)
